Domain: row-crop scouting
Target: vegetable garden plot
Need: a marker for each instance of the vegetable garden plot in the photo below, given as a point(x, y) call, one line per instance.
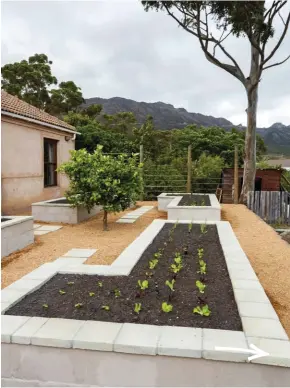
point(181, 279)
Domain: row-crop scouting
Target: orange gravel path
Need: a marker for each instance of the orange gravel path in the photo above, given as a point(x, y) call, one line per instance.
point(268, 254)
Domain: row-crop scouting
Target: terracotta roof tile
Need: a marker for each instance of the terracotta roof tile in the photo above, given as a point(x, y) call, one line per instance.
point(13, 104)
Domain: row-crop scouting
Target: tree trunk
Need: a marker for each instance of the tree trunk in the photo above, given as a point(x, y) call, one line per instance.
point(250, 146)
point(251, 85)
point(105, 221)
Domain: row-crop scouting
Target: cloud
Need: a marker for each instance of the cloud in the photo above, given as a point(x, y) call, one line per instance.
point(116, 49)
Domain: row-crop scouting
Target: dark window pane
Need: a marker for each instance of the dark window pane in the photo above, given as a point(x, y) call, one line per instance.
point(50, 162)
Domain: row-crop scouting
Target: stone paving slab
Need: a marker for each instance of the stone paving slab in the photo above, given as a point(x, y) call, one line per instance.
point(137, 339)
point(180, 342)
point(26, 284)
point(38, 232)
point(25, 332)
point(97, 336)
point(49, 228)
point(257, 310)
point(35, 226)
point(57, 332)
point(11, 296)
point(224, 338)
point(257, 296)
point(45, 271)
point(279, 351)
point(131, 217)
point(9, 324)
point(265, 328)
point(247, 284)
point(76, 252)
point(70, 260)
point(126, 221)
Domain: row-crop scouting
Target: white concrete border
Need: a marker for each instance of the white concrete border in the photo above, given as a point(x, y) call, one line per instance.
point(50, 211)
point(260, 322)
point(16, 234)
point(169, 203)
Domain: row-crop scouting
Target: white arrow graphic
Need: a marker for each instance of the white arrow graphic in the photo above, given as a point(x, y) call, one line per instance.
point(257, 353)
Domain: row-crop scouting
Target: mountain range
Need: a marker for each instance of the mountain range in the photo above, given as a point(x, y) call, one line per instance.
point(166, 116)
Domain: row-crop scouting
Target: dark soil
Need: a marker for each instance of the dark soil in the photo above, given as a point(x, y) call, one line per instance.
point(194, 200)
point(64, 201)
point(3, 219)
point(218, 293)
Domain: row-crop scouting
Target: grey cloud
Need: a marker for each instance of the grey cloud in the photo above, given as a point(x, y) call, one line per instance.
point(116, 49)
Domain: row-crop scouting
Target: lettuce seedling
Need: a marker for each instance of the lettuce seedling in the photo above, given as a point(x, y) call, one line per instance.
point(203, 310)
point(153, 263)
point(70, 283)
point(137, 308)
point(91, 293)
point(202, 203)
point(202, 267)
point(143, 284)
point(201, 286)
point(203, 228)
point(189, 227)
point(100, 284)
point(78, 305)
point(166, 308)
point(117, 293)
point(157, 255)
point(107, 308)
point(62, 292)
point(170, 284)
point(45, 305)
point(200, 253)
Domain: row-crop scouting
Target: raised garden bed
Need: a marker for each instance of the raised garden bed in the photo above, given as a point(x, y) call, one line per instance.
point(81, 297)
point(192, 207)
point(92, 331)
point(16, 233)
point(59, 210)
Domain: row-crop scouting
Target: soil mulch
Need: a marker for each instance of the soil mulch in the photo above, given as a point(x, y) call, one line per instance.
point(194, 200)
point(63, 292)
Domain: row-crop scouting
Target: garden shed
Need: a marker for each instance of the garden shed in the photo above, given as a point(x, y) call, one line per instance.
point(266, 180)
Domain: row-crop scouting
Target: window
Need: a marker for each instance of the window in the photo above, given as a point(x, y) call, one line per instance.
point(50, 162)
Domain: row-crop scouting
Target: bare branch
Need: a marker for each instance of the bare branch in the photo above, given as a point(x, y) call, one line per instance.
point(279, 41)
point(281, 17)
point(276, 64)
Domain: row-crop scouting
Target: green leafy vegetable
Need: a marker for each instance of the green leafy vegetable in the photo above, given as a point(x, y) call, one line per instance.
point(62, 292)
point(45, 306)
point(100, 284)
point(70, 283)
point(153, 263)
point(200, 253)
point(137, 308)
point(170, 284)
point(117, 292)
point(143, 284)
point(201, 286)
point(91, 293)
point(166, 308)
point(202, 267)
point(203, 310)
point(78, 305)
point(203, 228)
point(107, 308)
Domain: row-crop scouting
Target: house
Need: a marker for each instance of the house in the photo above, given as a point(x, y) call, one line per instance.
point(266, 180)
point(34, 144)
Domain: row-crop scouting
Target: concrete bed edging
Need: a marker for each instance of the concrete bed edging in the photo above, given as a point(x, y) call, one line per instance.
point(169, 203)
point(260, 323)
point(50, 211)
point(17, 233)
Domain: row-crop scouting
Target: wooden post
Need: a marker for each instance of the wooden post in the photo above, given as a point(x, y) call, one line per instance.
point(141, 161)
point(236, 177)
point(188, 185)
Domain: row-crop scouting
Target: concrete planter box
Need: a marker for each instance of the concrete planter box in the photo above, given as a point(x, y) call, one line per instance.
point(52, 211)
point(80, 353)
point(16, 233)
point(169, 203)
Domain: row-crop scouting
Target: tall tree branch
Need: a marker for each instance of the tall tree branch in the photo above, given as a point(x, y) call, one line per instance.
point(277, 63)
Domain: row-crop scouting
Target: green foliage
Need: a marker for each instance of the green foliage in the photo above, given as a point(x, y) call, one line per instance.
point(78, 305)
point(166, 308)
point(45, 306)
point(100, 284)
point(143, 284)
point(200, 252)
point(202, 310)
point(201, 286)
point(117, 292)
point(153, 263)
point(91, 294)
point(203, 228)
point(62, 292)
point(106, 308)
point(137, 308)
point(177, 266)
point(157, 255)
point(98, 179)
point(31, 81)
point(70, 283)
point(170, 284)
point(190, 227)
point(202, 267)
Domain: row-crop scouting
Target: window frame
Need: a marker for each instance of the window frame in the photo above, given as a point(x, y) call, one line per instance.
point(51, 142)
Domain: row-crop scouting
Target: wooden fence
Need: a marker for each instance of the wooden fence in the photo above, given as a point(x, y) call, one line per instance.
point(271, 206)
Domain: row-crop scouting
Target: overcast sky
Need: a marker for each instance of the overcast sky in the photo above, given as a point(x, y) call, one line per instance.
point(114, 48)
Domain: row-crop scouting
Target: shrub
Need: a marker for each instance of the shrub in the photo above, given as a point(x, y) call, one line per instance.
point(114, 182)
